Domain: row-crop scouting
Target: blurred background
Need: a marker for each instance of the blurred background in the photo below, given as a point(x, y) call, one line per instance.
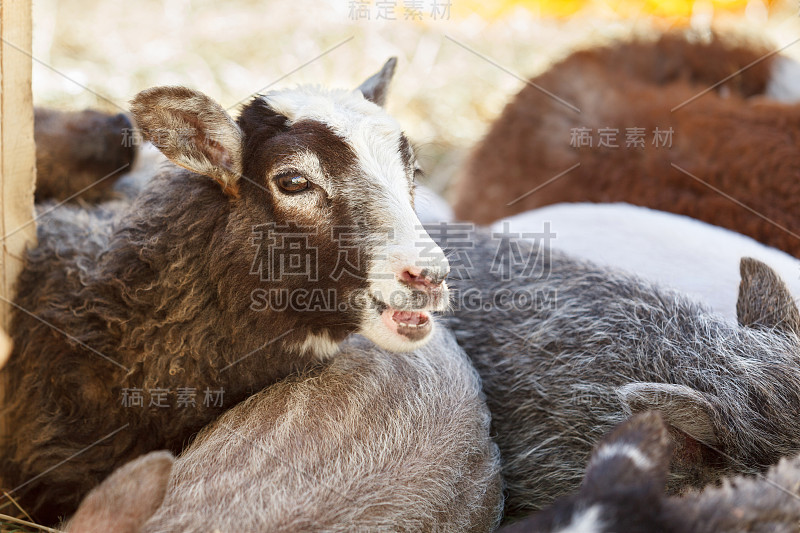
point(459, 60)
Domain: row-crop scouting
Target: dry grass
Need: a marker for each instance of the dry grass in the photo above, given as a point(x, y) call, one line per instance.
point(22, 522)
point(9, 524)
point(443, 94)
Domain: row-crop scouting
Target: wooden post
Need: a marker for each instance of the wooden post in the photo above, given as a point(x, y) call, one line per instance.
point(17, 150)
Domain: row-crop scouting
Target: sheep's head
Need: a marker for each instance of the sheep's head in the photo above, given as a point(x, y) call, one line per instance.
point(735, 425)
point(623, 486)
point(325, 179)
point(623, 490)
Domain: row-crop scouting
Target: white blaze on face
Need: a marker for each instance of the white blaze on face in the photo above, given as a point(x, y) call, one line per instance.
point(406, 245)
point(400, 243)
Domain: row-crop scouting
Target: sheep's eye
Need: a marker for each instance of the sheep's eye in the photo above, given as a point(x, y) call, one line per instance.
point(418, 172)
point(292, 183)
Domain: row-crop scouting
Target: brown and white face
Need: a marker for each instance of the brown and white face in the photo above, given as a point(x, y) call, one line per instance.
point(333, 162)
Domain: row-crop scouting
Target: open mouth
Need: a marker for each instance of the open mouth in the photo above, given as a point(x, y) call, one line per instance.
point(413, 325)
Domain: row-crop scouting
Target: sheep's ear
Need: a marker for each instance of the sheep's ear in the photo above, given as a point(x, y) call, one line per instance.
point(635, 454)
point(683, 408)
point(193, 131)
point(376, 87)
point(764, 300)
point(127, 498)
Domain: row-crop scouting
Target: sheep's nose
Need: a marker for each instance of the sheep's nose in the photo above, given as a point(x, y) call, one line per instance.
point(426, 279)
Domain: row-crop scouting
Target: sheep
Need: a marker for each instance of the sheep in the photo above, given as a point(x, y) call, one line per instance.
point(81, 153)
point(623, 491)
point(566, 349)
point(285, 231)
point(373, 441)
point(729, 145)
point(674, 251)
point(430, 207)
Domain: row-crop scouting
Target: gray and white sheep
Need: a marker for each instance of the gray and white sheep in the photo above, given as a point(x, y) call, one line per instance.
point(374, 441)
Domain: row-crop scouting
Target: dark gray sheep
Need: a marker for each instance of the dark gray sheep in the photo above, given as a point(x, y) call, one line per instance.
point(623, 491)
point(567, 349)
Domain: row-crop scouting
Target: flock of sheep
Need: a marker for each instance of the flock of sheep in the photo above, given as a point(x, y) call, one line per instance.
point(588, 366)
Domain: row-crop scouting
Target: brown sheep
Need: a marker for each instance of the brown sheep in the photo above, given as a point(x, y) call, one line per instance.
point(81, 153)
point(744, 147)
point(287, 230)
